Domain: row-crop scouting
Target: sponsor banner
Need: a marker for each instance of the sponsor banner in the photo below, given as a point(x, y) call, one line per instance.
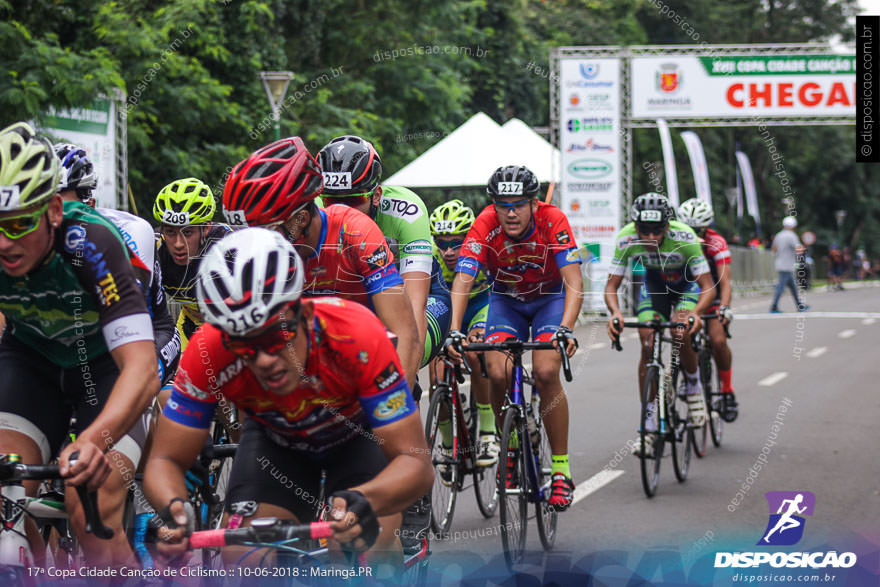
point(591, 169)
point(698, 165)
point(691, 86)
point(748, 184)
point(668, 162)
point(94, 129)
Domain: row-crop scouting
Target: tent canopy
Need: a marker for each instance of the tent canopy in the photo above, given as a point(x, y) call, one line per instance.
point(468, 156)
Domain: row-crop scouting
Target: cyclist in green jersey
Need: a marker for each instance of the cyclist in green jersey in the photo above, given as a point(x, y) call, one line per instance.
point(450, 223)
point(678, 286)
point(352, 170)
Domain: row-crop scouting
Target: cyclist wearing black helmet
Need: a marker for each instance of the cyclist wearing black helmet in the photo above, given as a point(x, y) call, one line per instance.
point(529, 253)
point(677, 285)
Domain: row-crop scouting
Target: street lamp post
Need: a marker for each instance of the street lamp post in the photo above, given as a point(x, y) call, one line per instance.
point(275, 84)
point(840, 215)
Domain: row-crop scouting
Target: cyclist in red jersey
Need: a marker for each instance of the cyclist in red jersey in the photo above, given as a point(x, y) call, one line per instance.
point(529, 254)
point(343, 250)
point(699, 215)
point(323, 389)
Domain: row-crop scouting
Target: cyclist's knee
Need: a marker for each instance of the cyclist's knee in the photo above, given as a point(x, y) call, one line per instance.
point(546, 376)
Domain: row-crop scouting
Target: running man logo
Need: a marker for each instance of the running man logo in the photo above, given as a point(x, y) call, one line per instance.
point(786, 526)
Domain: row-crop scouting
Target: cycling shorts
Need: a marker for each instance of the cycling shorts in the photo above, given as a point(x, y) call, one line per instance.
point(38, 399)
point(266, 472)
point(439, 314)
point(660, 301)
point(509, 318)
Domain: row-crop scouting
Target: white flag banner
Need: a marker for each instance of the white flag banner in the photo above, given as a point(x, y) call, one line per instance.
point(748, 182)
point(668, 162)
point(698, 165)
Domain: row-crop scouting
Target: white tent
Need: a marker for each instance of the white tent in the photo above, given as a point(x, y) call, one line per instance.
point(469, 155)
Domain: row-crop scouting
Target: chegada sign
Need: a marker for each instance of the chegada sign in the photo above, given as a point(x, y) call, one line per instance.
point(694, 86)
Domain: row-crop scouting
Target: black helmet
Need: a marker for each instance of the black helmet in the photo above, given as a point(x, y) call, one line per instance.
point(355, 163)
point(77, 170)
point(651, 210)
point(513, 180)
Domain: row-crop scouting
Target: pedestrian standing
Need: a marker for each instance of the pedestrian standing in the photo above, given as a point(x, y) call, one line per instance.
point(786, 245)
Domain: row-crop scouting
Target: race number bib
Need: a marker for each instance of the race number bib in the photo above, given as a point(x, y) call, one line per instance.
point(235, 217)
point(175, 218)
point(337, 180)
point(444, 226)
point(650, 216)
point(10, 198)
point(510, 188)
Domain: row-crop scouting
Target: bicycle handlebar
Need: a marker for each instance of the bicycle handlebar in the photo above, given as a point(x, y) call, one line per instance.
point(262, 531)
point(517, 346)
point(654, 325)
point(13, 471)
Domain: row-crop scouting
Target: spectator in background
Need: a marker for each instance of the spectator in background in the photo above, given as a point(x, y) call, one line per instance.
point(787, 245)
point(836, 264)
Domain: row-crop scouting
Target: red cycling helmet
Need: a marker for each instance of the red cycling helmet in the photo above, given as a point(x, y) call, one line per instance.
point(271, 184)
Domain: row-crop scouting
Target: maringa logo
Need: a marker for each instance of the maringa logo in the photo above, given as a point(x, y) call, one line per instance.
point(786, 526)
point(589, 168)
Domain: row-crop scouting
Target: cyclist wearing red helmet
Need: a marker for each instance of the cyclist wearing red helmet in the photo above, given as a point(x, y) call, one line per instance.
point(343, 250)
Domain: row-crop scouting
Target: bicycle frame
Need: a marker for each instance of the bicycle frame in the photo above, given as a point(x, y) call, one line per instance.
point(516, 401)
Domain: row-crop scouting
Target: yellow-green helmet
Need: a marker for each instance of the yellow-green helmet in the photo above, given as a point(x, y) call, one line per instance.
point(29, 169)
point(184, 202)
point(453, 217)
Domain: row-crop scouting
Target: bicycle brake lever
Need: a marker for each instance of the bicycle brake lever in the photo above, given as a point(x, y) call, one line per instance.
point(94, 525)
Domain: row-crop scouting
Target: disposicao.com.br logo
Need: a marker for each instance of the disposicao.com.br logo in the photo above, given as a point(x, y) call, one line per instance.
point(785, 527)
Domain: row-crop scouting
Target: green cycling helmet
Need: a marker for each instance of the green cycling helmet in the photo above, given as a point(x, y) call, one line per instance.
point(29, 169)
point(184, 202)
point(453, 217)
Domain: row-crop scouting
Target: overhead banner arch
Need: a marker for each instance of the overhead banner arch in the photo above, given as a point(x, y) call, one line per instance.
point(599, 94)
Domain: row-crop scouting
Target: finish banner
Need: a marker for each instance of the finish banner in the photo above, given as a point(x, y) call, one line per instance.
point(682, 86)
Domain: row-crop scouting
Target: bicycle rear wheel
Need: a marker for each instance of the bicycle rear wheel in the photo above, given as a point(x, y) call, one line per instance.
point(650, 461)
point(486, 489)
point(513, 500)
point(544, 515)
point(447, 482)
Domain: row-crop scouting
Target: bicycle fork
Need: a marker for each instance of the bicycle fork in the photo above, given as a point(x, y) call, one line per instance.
point(14, 547)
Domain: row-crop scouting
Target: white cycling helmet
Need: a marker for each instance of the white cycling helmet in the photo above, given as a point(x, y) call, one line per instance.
point(696, 213)
point(247, 277)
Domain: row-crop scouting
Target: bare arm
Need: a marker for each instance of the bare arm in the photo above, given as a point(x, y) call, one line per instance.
point(132, 392)
point(461, 291)
point(574, 293)
point(409, 473)
point(611, 287)
point(389, 305)
point(724, 282)
point(417, 285)
point(707, 293)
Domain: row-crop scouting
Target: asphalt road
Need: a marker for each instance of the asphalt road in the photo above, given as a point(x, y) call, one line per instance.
point(815, 375)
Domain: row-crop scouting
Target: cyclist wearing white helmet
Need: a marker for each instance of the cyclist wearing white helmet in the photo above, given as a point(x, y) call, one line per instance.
point(323, 388)
point(699, 215)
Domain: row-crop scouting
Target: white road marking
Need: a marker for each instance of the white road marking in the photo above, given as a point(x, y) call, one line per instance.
point(598, 345)
point(595, 483)
point(773, 379)
point(785, 315)
point(817, 352)
point(846, 333)
point(868, 321)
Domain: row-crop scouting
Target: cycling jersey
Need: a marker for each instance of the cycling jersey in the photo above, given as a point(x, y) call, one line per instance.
point(447, 276)
point(141, 240)
point(352, 260)
point(84, 299)
point(673, 266)
point(179, 281)
point(403, 219)
point(526, 267)
point(717, 253)
point(352, 380)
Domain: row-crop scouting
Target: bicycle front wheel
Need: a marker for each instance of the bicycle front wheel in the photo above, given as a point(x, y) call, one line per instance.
point(716, 422)
point(681, 436)
point(513, 487)
point(446, 463)
point(650, 459)
point(544, 514)
point(700, 436)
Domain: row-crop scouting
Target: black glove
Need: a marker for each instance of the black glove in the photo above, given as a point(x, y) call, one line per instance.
point(563, 335)
point(454, 340)
point(357, 504)
point(166, 517)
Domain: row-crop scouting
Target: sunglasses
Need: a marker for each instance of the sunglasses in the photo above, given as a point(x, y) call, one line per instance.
point(451, 244)
point(272, 342)
point(650, 229)
point(352, 200)
point(505, 208)
point(172, 231)
point(19, 226)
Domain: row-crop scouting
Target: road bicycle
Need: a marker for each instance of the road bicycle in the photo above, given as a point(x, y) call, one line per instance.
point(16, 556)
point(711, 381)
point(456, 463)
point(524, 431)
point(670, 407)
